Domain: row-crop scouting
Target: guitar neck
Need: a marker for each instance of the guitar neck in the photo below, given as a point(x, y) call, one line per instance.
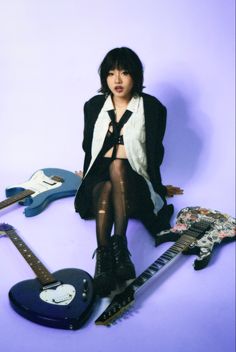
point(43, 275)
point(178, 247)
point(14, 199)
point(37, 185)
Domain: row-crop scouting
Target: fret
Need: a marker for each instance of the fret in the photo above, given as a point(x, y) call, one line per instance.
point(179, 246)
point(43, 275)
point(173, 250)
point(157, 265)
point(166, 256)
point(169, 255)
point(137, 282)
point(162, 261)
point(16, 198)
point(151, 272)
point(146, 275)
point(154, 266)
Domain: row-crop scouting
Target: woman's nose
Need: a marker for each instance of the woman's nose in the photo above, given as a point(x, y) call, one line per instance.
point(117, 77)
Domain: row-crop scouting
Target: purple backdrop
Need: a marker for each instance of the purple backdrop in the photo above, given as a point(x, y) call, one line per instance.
point(50, 52)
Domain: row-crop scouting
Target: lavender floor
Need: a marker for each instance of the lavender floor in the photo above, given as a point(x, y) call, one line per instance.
point(179, 310)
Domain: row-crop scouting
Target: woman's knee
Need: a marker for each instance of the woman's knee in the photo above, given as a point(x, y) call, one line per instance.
point(107, 186)
point(117, 169)
point(102, 188)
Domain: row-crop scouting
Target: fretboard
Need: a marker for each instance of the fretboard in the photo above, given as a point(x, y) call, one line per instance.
point(178, 247)
point(14, 199)
point(43, 275)
point(28, 192)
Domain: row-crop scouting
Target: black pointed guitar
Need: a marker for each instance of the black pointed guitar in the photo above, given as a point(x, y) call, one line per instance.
point(62, 300)
point(197, 230)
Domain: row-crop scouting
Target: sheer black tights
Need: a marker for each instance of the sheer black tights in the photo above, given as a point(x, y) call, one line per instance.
point(103, 211)
point(112, 202)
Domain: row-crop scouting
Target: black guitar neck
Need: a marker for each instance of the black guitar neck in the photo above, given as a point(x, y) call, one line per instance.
point(178, 247)
point(43, 275)
point(122, 301)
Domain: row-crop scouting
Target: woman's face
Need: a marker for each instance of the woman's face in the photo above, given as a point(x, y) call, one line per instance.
point(120, 83)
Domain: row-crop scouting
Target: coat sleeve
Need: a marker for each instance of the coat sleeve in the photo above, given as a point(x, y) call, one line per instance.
point(160, 132)
point(156, 115)
point(160, 150)
point(91, 110)
point(87, 138)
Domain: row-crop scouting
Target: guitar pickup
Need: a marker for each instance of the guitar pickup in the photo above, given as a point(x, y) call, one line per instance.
point(62, 299)
point(50, 183)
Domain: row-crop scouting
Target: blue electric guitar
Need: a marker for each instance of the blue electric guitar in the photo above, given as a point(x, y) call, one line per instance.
point(44, 186)
point(197, 231)
point(63, 300)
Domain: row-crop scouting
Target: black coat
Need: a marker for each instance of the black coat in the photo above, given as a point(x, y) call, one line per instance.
point(155, 125)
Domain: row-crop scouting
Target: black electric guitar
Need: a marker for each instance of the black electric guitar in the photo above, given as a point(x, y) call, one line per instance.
point(62, 300)
point(197, 230)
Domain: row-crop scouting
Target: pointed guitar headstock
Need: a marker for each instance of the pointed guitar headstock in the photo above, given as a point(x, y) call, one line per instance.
point(118, 306)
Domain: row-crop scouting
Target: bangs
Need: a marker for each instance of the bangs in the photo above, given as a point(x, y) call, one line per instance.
point(119, 63)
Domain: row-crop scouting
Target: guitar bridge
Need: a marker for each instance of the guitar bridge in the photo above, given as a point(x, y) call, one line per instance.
point(52, 285)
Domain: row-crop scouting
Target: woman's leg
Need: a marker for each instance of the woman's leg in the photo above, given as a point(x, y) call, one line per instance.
point(104, 280)
point(102, 208)
point(121, 200)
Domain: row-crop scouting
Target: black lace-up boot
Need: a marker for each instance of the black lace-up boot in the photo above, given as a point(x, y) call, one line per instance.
point(123, 266)
point(104, 280)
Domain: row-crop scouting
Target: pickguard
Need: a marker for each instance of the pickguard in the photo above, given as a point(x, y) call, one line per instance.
point(62, 295)
point(39, 183)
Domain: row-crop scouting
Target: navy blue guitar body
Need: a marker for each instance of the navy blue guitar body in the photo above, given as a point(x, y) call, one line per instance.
point(25, 300)
point(61, 300)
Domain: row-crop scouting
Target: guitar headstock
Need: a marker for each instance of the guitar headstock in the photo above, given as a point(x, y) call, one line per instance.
point(5, 228)
point(118, 306)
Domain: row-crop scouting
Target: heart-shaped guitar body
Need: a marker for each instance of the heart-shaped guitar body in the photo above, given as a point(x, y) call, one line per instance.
point(67, 306)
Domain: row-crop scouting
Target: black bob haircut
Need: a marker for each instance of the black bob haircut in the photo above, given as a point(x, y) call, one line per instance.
point(123, 59)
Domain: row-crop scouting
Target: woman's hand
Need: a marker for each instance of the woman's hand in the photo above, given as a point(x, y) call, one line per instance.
point(79, 173)
point(173, 191)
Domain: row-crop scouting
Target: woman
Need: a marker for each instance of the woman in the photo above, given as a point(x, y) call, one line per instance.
point(123, 133)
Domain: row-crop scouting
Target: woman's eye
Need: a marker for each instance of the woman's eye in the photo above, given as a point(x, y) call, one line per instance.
point(110, 73)
point(125, 73)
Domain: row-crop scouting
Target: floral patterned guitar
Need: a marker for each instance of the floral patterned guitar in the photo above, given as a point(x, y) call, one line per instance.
point(223, 230)
point(197, 230)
